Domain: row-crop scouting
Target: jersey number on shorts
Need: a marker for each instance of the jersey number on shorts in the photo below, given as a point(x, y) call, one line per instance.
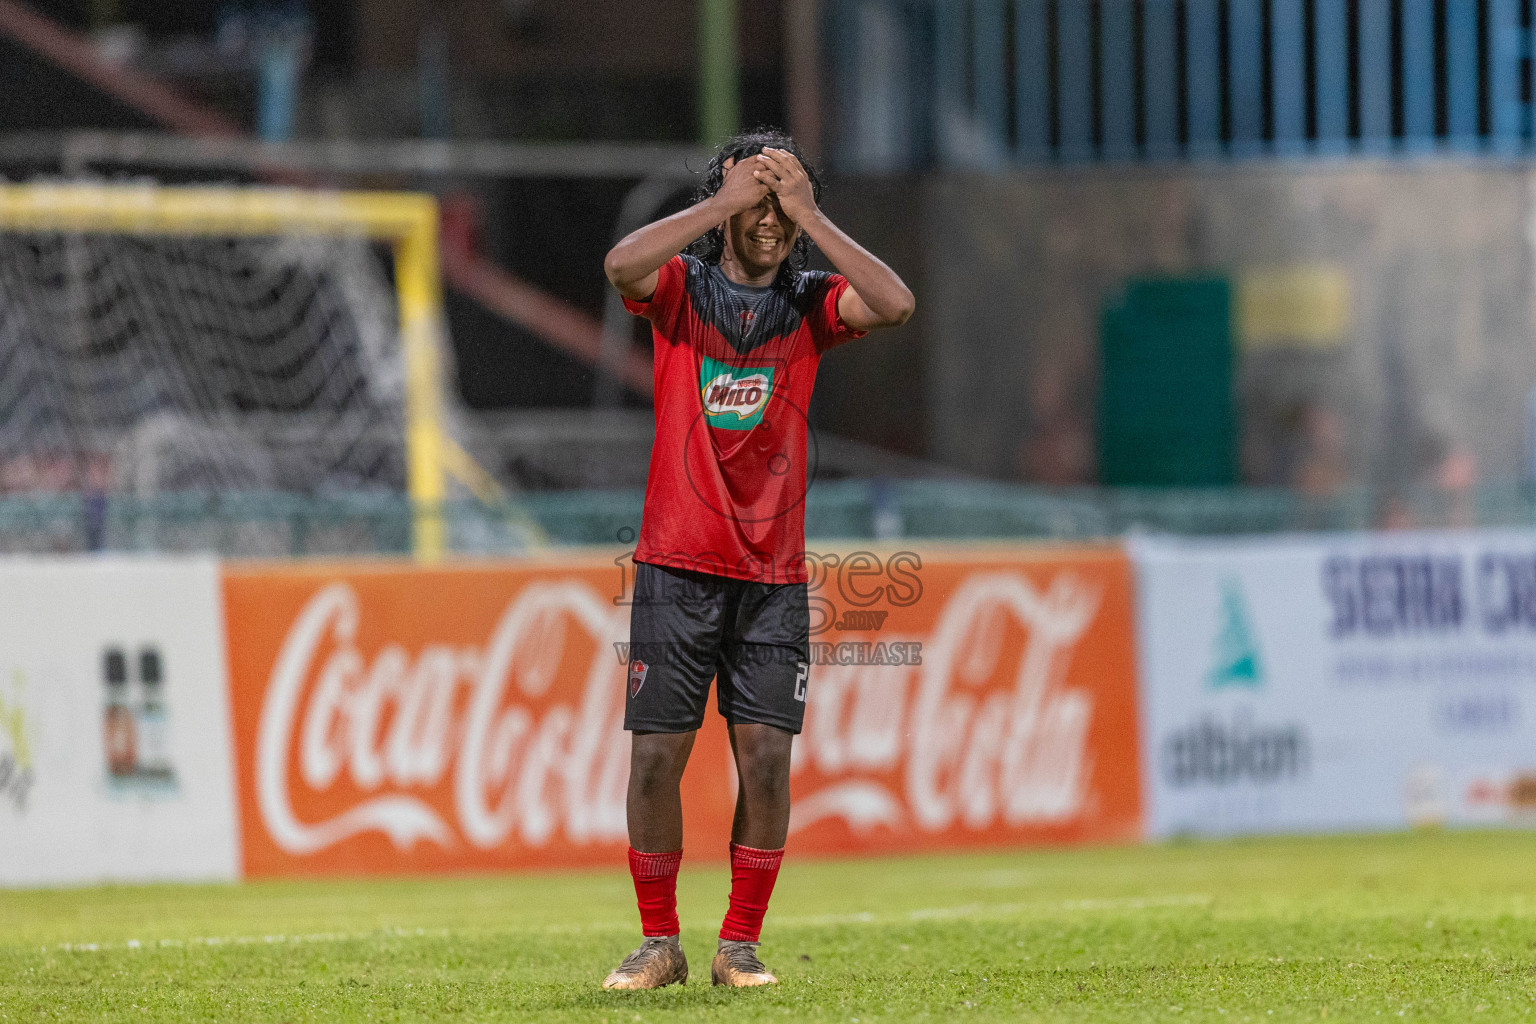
point(803, 671)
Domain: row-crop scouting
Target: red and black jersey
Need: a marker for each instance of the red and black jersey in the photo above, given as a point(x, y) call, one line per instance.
point(734, 371)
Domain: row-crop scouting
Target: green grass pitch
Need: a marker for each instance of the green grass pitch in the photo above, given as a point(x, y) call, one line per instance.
point(1430, 926)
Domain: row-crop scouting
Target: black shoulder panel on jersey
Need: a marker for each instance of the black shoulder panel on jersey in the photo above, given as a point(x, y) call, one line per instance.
point(743, 321)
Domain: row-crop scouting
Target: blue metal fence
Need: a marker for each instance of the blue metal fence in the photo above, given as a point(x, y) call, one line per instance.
point(991, 82)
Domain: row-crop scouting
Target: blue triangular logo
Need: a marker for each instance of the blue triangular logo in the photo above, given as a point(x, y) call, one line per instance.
point(1235, 659)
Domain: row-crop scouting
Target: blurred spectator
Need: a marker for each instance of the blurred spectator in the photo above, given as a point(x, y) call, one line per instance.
point(276, 37)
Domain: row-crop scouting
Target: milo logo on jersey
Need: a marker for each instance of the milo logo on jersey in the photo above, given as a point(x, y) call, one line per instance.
point(734, 397)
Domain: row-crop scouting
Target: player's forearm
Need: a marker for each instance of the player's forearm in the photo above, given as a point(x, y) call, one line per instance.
point(886, 295)
point(642, 253)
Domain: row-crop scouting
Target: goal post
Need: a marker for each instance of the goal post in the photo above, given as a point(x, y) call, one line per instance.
point(406, 222)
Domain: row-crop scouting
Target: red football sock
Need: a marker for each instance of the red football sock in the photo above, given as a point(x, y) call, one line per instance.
point(753, 873)
point(655, 876)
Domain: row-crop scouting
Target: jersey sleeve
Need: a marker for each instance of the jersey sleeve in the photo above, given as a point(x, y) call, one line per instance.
point(827, 327)
point(664, 303)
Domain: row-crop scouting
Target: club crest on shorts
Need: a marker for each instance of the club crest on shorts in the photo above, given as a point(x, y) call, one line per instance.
point(637, 670)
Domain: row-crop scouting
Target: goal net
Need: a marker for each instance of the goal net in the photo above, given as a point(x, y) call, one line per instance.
point(163, 341)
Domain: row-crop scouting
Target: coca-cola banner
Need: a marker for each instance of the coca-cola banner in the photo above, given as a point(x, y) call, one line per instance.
point(393, 718)
point(114, 732)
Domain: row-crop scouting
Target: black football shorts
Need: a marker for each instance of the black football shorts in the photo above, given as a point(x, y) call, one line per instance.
point(686, 628)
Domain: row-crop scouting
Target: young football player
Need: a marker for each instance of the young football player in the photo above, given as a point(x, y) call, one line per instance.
point(739, 327)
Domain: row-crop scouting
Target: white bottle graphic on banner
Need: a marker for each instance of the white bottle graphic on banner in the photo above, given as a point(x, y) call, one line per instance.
point(154, 721)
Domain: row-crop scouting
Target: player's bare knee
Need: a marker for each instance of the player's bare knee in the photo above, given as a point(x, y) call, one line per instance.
point(653, 775)
point(656, 762)
point(765, 776)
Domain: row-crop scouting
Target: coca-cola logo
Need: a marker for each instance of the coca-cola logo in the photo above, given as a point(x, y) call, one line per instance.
point(519, 740)
point(401, 724)
point(983, 731)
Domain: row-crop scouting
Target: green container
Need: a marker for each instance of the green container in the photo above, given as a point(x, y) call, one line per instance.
point(1167, 416)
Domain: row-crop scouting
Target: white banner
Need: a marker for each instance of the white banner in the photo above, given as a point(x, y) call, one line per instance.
point(1338, 682)
point(115, 753)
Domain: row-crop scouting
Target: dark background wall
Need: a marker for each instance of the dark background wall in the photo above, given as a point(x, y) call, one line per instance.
point(1430, 379)
point(871, 389)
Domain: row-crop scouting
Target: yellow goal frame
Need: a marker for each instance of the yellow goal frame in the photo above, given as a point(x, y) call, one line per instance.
point(406, 220)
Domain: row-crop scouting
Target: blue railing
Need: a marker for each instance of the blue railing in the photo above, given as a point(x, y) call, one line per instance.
point(921, 83)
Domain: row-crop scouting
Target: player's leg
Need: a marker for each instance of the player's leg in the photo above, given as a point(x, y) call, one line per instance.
point(761, 690)
point(757, 849)
point(762, 795)
point(674, 640)
point(654, 803)
point(655, 811)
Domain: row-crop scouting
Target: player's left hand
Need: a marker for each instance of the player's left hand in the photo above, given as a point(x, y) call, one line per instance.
point(787, 179)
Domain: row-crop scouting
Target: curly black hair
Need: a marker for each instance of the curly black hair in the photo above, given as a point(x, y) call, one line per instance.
point(710, 246)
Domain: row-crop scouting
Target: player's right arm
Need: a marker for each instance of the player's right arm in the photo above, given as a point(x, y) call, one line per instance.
point(632, 265)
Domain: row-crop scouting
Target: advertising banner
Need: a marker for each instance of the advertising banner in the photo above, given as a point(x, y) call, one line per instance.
point(114, 729)
point(1012, 721)
point(395, 719)
point(1338, 682)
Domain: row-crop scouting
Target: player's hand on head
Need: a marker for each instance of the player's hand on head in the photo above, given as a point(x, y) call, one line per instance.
point(785, 176)
point(741, 190)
